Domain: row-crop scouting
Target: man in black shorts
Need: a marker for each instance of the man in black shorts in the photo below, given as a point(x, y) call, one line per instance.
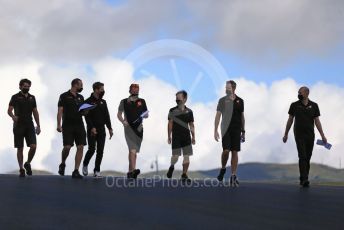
point(306, 114)
point(231, 107)
point(96, 119)
point(24, 106)
point(133, 109)
point(72, 128)
point(180, 124)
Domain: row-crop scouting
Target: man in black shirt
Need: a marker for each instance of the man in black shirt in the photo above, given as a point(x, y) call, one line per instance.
point(24, 105)
point(180, 124)
point(231, 107)
point(306, 114)
point(72, 128)
point(134, 110)
point(96, 119)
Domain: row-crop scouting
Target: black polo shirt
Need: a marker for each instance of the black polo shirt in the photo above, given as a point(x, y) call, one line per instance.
point(231, 113)
point(23, 107)
point(304, 116)
point(133, 110)
point(181, 120)
point(71, 105)
point(99, 116)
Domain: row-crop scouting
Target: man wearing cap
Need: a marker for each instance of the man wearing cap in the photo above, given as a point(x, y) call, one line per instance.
point(134, 110)
point(306, 114)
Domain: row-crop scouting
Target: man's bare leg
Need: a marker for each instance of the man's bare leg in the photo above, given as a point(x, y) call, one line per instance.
point(224, 158)
point(32, 152)
point(234, 162)
point(65, 153)
point(78, 156)
point(132, 160)
point(20, 157)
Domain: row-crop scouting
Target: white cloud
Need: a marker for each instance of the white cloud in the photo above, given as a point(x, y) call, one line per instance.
point(79, 30)
point(273, 31)
point(266, 114)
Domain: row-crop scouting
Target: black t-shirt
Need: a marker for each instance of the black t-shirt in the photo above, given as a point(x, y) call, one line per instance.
point(23, 107)
point(304, 116)
point(99, 116)
point(231, 113)
point(71, 105)
point(181, 120)
point(133, 110)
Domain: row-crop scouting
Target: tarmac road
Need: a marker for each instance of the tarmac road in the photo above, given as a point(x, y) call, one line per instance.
point(53, 202)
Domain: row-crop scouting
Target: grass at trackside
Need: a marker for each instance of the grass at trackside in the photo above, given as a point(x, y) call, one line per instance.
point(268, 173)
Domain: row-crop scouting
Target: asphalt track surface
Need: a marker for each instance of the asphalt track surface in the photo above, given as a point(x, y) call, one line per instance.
point(53, 202)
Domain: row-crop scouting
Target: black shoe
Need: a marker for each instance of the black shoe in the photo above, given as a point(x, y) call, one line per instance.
point(135, 173)
point(185, 178)
point(21, 172)
point(76, 174)
point(27, 167)
point(234, 181)
point(305, 184)
point(62, 167)
point(170, 172)
point(221, 175)
point(129, 175)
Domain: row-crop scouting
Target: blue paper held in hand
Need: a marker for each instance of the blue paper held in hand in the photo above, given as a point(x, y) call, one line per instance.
point(326, 145)
point(86, 106)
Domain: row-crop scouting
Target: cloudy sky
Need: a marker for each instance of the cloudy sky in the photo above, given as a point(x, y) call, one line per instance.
point(270, 48)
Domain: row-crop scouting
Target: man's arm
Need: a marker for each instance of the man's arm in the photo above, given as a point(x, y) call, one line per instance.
point(121, 119)
point(217, 122)
point(192, 129)
point(287, 128)
point(319, 127)
point(36, 117)
point(107, 118)
point(59, 118)
point(243, 131)
point(108, 121)
point(10, 113)
point(169, 131)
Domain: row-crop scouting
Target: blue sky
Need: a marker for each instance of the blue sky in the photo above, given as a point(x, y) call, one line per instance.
point(304, 69)
point(304, 66)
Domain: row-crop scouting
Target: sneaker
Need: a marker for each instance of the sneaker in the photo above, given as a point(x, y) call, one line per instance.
point(21, 172)
point(185, 178)
point(62, 168)
point(234, 181)
point(170, 172)
point(27, 167)
point(84, 170)
point(97, 174)
point(76, 174)
point(221, 175)
point(135, 173)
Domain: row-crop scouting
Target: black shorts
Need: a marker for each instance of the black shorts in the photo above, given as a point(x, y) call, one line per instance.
point(180, 145)
point(133, 138)
point(232, 140)
point(22, 131)
point(73, 133)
